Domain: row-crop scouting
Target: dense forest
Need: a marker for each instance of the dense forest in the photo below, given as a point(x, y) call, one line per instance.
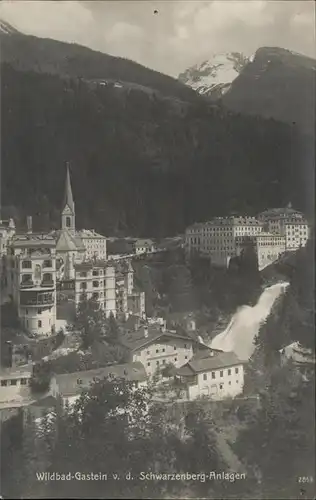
point(141, 163)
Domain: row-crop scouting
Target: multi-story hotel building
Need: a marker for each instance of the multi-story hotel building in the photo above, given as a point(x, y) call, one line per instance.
point(96, 281)
point(288, 223)
point(129, 300)
point(216, 239)
point(31, 273)
point(268, 247)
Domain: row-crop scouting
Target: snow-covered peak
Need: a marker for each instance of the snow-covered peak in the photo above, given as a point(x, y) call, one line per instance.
point(215, 75)
point(6, 28)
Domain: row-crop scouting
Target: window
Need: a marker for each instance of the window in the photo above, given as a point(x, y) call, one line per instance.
point(213, 374)
point(83, 274)
point(229, 371)
point(157, 362)
point(185, 346)
point(27, 264)
point(236, 370)
point(47, 263)
point(39, 311)
point(4, 383)
point(26, 311)
point(148, 352)
point(175, 359)
point(13, 381)
point(95, 273)
point(229, 383)
point(95, 296)
point(83, 285)
point(185, 357)
point(148, 364)
point(79, 381)
point(68, 221)
point(157, 350)
point(221, 373)
point(164, 350)
point(164, 361)
point(95, 284)
point(221, 386)
point(205, 376)
point(39, 324)
point(23, 381)
point(174, 348)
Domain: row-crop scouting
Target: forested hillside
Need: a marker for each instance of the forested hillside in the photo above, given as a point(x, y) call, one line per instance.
point(140, 162)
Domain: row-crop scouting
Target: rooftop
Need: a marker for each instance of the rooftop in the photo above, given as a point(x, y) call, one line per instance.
point(90, 233)
point(71, 384)
point(134, 340)
point(33, 240)
point(204, 364)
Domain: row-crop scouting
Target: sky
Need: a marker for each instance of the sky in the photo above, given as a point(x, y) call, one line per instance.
point(169, 36)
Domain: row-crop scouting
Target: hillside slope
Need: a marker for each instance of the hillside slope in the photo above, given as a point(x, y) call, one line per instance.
point(279, 84)
point(43, 55)
point(141, 164)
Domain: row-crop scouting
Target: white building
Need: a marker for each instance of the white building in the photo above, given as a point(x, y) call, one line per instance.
point(129, 300)
point(70, 386)
point(156, 347)
point(215, 375)
point(289, 223)
point(144, 246)
point(216, 239)
point(302, 358)
point(94, 243)
point(31, 273)
point(268, 247)
point(15, 388)
point(97, 281)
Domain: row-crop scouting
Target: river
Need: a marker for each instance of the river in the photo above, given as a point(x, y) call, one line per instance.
point(245, 324)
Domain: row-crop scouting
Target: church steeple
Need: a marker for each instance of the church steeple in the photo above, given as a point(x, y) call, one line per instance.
point(68, 214)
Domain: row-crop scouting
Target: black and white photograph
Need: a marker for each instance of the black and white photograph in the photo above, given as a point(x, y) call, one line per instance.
point(157, 264)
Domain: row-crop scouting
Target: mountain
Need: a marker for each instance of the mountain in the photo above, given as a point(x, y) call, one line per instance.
point(42, 55)
point(214, 76)
point(277, 83)
point(274, 83)
point(141, 163)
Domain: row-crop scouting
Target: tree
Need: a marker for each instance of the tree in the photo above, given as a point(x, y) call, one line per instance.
point(90, 322)
point(278, 441)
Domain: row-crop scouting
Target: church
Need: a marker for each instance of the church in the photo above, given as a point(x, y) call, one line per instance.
point(72, 246)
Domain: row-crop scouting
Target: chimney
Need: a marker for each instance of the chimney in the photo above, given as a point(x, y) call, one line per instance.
point(29, 224)
point(146, 332)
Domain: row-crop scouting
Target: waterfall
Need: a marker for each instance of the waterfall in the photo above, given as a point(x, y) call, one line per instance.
point(245, 324)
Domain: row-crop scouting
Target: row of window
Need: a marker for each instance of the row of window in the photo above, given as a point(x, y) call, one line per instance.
point(13, 381)
point(164, 350)
point(221, 373)
point(163, 361)
point(27, 264)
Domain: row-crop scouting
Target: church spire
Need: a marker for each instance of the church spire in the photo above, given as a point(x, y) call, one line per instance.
point(68, 200)
point(68, 214)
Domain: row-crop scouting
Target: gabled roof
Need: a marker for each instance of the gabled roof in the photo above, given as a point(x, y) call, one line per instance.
point(200, 364)
point(65, 242)
point(135, 340)
point(71, 384)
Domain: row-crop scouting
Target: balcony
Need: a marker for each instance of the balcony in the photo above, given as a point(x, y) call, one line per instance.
point(27, 284)
point(36, 299)
point(48, 283)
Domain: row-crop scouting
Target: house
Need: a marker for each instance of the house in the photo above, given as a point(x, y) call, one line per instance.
point(155, 347)
point(214, 374)
point(69, 386)
point(15, 388)
point(144, 246)
point(302, 358)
